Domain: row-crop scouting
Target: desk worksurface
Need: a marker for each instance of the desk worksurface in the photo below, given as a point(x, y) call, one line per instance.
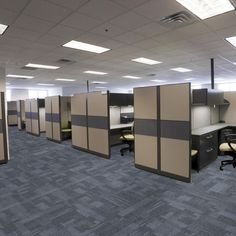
point(211, 128)
point(121, 126)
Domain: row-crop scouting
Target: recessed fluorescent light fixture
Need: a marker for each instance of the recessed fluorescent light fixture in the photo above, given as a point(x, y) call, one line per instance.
point(131, 77)
point(42, 66)
point(85, 47)
point(8, 83)
point(40, 84)
point(189, 79)
point(232, 40)
point(100, 87)
point(219, 79)
point(20, 76)
point(207, 8)
point(3, 28)
point(158, 80)
point(95, 72)
point(67, 80)
point(146, 61)
point(181, 69)
point(98, 82)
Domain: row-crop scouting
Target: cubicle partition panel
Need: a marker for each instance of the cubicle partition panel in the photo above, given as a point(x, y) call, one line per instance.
point(145, 127)
point(28, 123)
point(79, 122)
point(99, 123)
point(35, 117)
point(175, 131)
point(21, 114)
point(56, 118)
point(48, 117)
point(3, 134)
point(12, 113)
point(228, 112)
point(163, 130)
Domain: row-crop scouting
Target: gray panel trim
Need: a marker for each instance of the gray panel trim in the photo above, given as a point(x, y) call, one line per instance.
point(1, 126)
point(28, 115)
point(175, 129)
point(19, 114)
point(146, 127)
point(11, 112)
point(98, 122)
point(56, 117)
point(34, 115)
point(48, 117)
point(79, 120)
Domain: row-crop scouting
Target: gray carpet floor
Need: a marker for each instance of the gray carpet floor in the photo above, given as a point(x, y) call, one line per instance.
point(50, 189)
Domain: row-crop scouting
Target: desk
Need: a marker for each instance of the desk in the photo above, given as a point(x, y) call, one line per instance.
point(206, 141)
point(115, 131)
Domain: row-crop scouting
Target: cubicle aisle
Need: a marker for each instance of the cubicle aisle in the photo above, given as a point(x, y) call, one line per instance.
point(58, 118)
point(3, 132)
point(35, 116)
point(91, 123)
point(12, 113)
point(163, 130)
point(20, 104)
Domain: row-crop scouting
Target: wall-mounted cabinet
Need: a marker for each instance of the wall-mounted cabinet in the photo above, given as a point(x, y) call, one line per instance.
point(206, 97)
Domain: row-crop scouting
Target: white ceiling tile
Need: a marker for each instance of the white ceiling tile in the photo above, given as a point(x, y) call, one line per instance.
point(65, 32)
point(46, 11)
point(105, 10)
point(7, 17)
point(70, 4)
point(151, 29)
point(32, 23)
point(81, 22)
point(108, 30)
point(130, 37)
point(158, 9)
point(130, 3)
point(15, 6)
point(130, 20)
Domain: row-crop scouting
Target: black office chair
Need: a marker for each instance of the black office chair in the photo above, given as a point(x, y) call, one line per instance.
point(229, 149)
point(127, 137)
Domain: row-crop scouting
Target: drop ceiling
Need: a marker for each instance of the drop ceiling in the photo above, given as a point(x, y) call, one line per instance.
point(131, 29)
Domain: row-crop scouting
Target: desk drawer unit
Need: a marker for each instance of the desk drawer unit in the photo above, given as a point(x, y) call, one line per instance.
point(207, 146)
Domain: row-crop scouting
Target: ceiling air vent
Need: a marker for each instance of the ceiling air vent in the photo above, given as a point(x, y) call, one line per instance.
point(151, 75)
point(177, 20)
point(28, 68)
point(66, 61)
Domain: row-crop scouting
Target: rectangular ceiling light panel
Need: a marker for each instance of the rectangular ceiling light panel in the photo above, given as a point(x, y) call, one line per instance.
point(85, 47)
point(146, 61)
point(181, 69)
point(207, 8)
point(3, 28)
point(20, 76)
point(95, 72)
point(232, 40)
point(39, 66)
point(67, 80)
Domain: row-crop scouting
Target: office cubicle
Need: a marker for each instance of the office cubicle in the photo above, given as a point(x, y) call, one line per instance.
point(3, 132)
point(58, 118)
point(91, 123)
point(163, 130)
point(93, 128)
point(35, 116)
point(11, 113)
point(20, 105)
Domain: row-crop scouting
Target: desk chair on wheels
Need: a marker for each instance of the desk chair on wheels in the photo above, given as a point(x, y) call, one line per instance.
point(229, 149)
point(127, 137)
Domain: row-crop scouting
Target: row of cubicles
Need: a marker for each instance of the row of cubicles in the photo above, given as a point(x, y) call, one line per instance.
point(162, 124)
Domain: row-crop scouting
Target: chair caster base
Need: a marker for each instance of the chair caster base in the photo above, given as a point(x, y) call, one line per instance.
point(221, 168)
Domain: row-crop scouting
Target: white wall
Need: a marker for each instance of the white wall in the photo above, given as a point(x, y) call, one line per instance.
point(69, 91)
point(19, 94)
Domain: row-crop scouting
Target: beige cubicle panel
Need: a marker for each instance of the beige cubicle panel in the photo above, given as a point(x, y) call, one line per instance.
point(145, 126)
point(228, 112)
point(79, 121)
point(99, 123)
point(48, 117)
point(35, 117)
point(175, 131)
point(28, 121)
point(12, 113)
point(163, 130)
point(3, 135)
point(21, 114)
point(56, 118)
